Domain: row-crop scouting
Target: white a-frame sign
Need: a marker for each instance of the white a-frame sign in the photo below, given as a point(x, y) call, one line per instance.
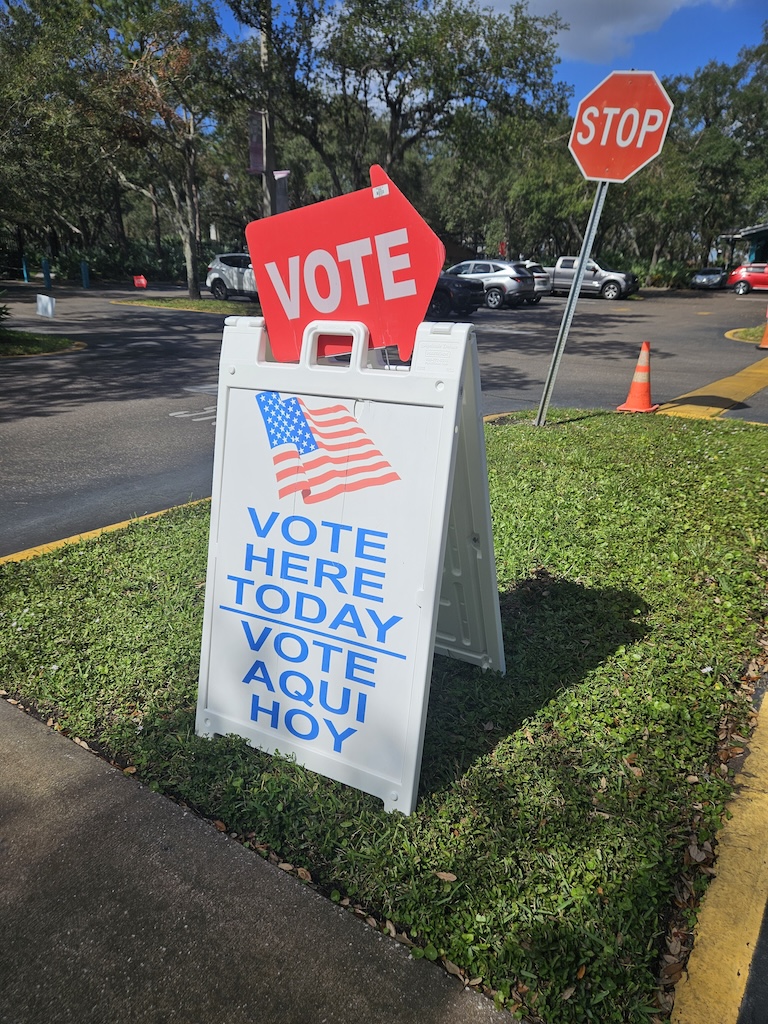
point(350, 540)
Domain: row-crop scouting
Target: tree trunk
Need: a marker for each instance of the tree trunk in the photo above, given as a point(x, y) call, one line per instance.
point(117, 218)
point(654, 261)
point(156, 223)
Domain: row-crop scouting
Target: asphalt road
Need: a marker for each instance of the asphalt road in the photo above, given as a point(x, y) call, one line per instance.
point(125, 427)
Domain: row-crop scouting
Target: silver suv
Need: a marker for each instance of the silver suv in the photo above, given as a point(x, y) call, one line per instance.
point(231, 274)
point(541, 280)
point(506, 284)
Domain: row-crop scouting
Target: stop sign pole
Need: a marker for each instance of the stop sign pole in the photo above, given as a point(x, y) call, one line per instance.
point(620, 126)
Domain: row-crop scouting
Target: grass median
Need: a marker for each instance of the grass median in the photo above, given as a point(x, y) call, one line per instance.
point(566, 825)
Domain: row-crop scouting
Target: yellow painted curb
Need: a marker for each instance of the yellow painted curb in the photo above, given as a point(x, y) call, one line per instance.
point(21, 556)
point(732, 336)
point(720, 395)
point(732, 910)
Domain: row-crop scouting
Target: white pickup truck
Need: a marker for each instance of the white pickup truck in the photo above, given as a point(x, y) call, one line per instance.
point(608, 284)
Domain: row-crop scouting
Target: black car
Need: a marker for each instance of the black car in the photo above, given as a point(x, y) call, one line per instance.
point(455, 296)
point(710, 277)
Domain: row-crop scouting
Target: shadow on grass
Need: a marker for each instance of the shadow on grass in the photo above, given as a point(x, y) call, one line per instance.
point(555, 632)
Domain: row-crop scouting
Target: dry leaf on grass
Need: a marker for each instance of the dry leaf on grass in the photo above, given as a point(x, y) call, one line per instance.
point(446, 876)
point(452, 968)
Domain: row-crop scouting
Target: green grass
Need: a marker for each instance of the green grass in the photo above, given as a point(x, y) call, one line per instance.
point(29, 343)
point(563, 797)
point(230, 307)
point(749, 334)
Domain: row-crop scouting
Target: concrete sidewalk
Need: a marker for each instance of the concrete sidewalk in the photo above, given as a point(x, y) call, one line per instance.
point(118, 906)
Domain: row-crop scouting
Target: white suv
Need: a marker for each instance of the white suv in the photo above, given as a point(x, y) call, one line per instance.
point(231, 274)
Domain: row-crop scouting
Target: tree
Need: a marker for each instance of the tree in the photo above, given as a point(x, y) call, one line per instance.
point(375, 80)
point(134, 81)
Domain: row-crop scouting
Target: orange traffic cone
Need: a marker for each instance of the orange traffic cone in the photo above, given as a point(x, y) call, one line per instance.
point(639, 397)
point(764, 342)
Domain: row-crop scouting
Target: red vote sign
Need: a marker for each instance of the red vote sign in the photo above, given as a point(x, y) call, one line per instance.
point(367, 256)
point(620, 126)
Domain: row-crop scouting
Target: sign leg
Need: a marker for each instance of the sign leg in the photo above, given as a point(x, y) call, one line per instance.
point(570, 306)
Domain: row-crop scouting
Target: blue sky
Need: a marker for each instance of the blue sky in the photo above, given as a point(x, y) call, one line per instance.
point(669, 37)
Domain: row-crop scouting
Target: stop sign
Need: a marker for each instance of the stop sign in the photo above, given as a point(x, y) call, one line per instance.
point(620, 126)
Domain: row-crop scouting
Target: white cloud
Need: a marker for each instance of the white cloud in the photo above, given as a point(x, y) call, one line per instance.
point(601, 31)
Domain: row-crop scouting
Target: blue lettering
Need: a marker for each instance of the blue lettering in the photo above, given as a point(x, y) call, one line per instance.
point(283, 601)
point(255, 645)
point(256, 709)
point(314, 728)
point(302, 615)
point(348, 617)
point(361, 581)
point(259, 673)
point(363, 544)
point(290, 562)
point(335, 529)
point(310, 537)
point(362, 700)
point(280, 646)
point(355, 663)
point(346, 693)
point(241, 584)
point(262, 531)
point(333, 571)
point(338, 737)
point(305, 696)
point(382, 628)
point(268, 559)
point(326, 649)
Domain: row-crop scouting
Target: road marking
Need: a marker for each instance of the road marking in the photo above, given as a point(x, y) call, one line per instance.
point(208, 413)
point(732, 910)
point(721, 395)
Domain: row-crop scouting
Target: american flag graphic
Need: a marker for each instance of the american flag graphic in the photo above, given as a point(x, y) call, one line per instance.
point(320, 452)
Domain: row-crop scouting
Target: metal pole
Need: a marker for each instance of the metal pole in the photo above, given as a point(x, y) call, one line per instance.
point(268, 184)
point(573, 295)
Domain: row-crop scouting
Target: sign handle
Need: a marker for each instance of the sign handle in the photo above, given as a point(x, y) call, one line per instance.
point(573, 295)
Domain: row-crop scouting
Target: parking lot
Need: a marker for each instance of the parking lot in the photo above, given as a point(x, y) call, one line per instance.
point(686, 330)
point(126, 426)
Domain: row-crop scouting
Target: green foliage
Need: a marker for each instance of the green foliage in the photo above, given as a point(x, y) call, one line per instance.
point(132, 120)
point(559, 795)
point(121, 263)
point(5, 313)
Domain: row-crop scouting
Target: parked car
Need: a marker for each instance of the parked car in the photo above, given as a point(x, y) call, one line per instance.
point(710, 277)
point(597, 280)
point(505, 283)
point(541, 280)
point(231, 273)
point(455, 295)
point(751, 275)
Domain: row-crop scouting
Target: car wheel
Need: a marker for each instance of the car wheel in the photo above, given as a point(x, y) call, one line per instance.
point(611, 290)
point(534, 300)
point(741, 287)
point(439, 308)
point(494, 298)
point(219, 289)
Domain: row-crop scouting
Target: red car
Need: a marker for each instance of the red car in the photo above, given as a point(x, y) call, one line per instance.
point(751, 275)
